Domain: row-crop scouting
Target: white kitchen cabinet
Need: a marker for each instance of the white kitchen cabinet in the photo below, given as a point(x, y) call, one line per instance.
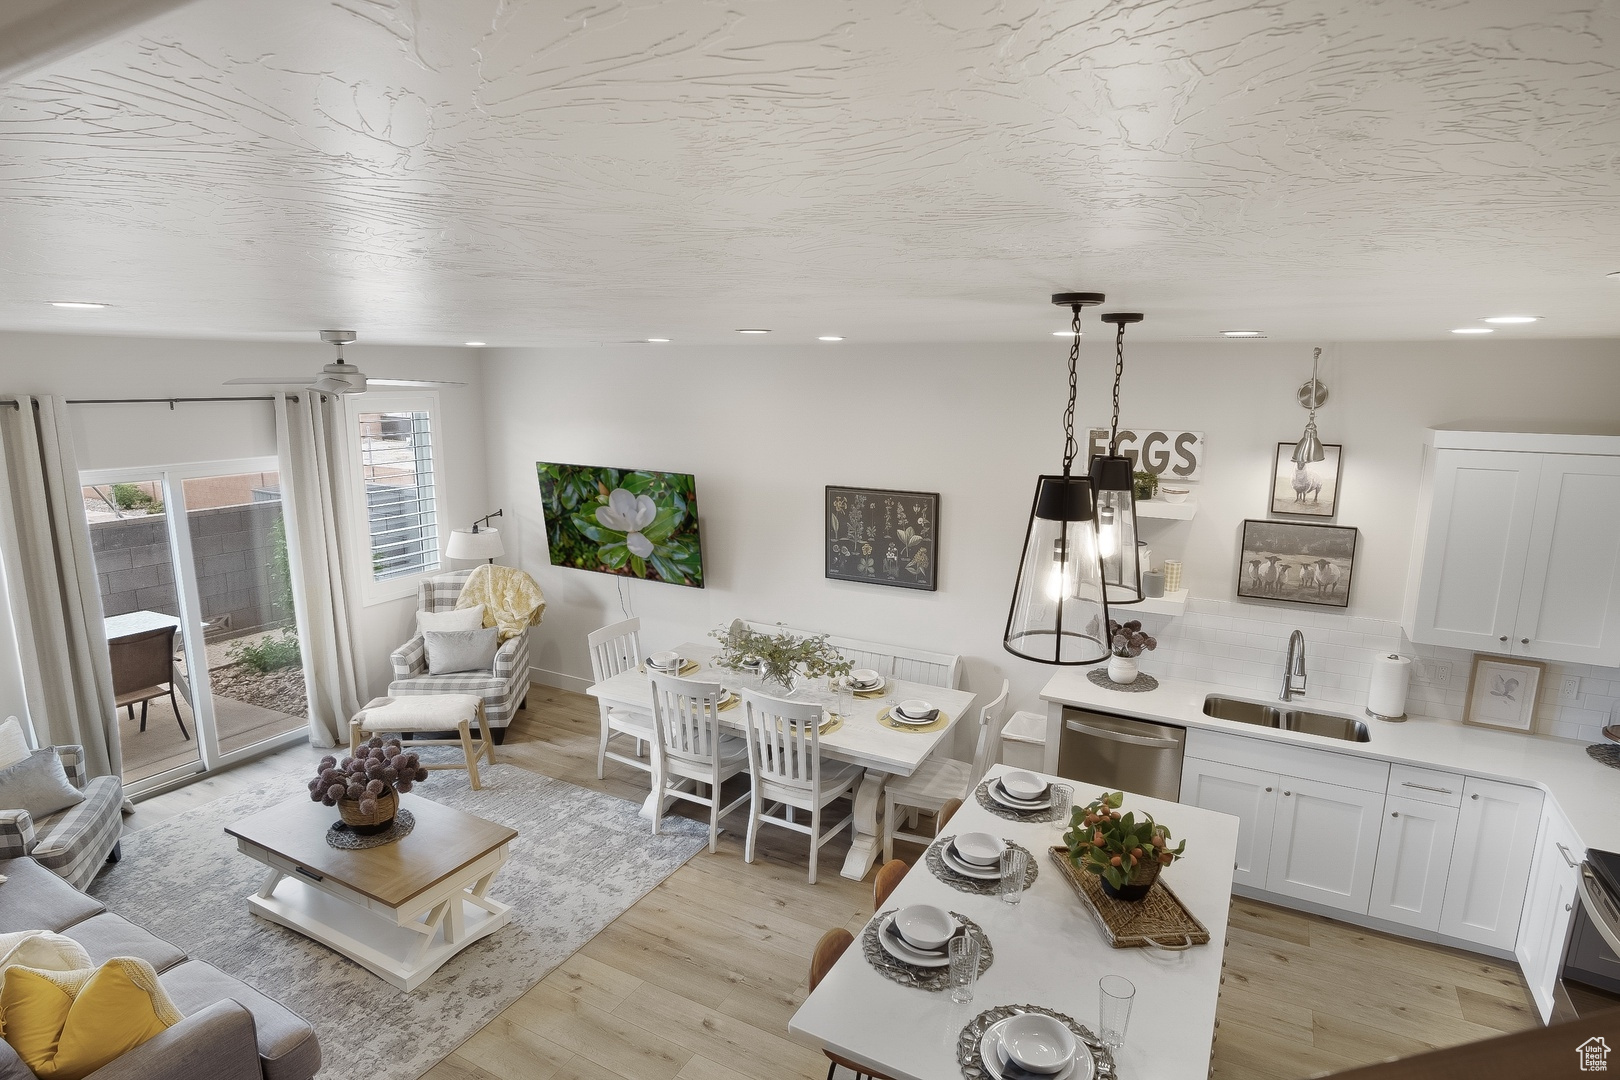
point(1250, 795)
point(1324, 843)
point(1549, 908)
point(1497, 826)
point(1414, 859)
point(1517, 550)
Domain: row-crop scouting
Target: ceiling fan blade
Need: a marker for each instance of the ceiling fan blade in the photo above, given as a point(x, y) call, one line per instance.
point(266, 382)
point(413, 382)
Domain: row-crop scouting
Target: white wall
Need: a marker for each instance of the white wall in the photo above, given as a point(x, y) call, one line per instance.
point(75, 366)
point(764, 428)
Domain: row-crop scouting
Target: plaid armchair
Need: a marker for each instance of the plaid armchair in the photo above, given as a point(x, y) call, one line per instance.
point(502, 690)
point(73, 843)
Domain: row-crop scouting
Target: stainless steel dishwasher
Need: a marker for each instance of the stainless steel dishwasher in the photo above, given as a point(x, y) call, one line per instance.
point(1121, 754)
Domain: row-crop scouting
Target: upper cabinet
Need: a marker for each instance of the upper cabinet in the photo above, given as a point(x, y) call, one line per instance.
point(1517, 548)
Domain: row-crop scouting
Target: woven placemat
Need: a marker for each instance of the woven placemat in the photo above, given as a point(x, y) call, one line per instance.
point(1159, 919)
point(932, 979)
point(976, 886)
point(339, 835)
point(982, 794)
point(1608, 753)
point(1144, 682)
point(889, 722)
point(972, 1037)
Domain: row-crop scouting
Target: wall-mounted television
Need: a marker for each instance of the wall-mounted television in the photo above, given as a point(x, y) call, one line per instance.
point(632, 522)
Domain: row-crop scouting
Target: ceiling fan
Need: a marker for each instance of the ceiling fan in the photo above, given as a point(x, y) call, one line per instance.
point(339, 377)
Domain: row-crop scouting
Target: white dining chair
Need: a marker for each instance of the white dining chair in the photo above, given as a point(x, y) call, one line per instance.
point(615, 649)
point(940, 779)
point(784, 760)
point(689, 745)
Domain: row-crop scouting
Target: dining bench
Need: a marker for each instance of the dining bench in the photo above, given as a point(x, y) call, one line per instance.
point(890, 661)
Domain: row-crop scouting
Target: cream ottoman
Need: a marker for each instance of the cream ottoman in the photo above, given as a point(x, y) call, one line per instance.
point(430, 712)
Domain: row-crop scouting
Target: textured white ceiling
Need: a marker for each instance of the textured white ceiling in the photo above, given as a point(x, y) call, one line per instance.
point(528, 172)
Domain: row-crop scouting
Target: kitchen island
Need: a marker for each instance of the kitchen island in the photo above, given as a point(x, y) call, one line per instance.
point(1048, 952)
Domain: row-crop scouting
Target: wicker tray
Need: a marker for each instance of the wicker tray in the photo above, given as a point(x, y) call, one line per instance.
point(1160, 919)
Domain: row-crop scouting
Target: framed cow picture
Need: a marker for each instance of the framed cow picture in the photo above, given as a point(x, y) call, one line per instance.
point(1296, 562)
point(1310, 490)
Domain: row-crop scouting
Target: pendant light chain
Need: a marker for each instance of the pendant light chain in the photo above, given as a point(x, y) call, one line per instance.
point(1070, 447)
point(1119, 373)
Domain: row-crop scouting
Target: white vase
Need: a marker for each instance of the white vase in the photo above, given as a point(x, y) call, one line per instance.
point(1122, 669)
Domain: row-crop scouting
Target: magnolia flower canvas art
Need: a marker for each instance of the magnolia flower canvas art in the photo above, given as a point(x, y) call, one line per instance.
point(632, 522)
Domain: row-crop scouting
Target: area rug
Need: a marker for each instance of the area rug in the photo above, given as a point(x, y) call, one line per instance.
point(580, 860)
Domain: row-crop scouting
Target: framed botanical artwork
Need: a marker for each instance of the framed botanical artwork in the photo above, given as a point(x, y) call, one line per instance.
point(1502, 692)
point(1306, 490)
point(882, 537)
point(1297, 562)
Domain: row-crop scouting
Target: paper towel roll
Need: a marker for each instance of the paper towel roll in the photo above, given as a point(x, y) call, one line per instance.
point(1386, 696)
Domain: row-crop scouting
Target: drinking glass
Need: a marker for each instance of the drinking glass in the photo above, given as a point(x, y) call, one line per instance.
point(964, 949)
point(1062, 799)
point(1114, 1008)
point(1014, 866)
point(846, 696)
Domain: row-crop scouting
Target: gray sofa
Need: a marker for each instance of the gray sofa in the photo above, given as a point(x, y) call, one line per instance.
point(230, 1030)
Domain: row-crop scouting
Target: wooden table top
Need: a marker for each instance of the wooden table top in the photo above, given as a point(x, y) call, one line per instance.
point(444, 841)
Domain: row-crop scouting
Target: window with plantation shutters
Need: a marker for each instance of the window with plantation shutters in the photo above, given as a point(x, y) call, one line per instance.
point(396, 465)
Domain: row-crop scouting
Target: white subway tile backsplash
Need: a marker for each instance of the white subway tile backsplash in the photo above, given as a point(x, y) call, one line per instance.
point(1241, 646)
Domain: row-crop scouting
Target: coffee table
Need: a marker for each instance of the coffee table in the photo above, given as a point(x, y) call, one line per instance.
point(399, 910)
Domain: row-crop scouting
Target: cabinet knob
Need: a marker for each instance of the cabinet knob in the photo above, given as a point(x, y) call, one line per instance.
point(1268, 789)
point(1502, 638)
point(1395, 813)
point(1524, 641)
point(1288, 793)
point(1475, 795)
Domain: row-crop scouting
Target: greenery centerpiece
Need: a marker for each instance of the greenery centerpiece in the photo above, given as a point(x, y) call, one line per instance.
point(1125, 851)
point(778, 658)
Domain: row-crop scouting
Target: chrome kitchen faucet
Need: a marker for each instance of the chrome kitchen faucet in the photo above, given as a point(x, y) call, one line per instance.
point(1294, 666)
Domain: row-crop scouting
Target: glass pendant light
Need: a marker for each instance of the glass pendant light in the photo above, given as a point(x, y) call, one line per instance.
point(1311, 395)
point(1059, 613)
point(1115, 493)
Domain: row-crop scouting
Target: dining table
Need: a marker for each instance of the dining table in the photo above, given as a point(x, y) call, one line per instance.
point(881, 749)
point(1047, 951)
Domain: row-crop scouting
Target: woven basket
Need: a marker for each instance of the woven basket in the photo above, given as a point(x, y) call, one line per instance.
point(1138, 885)
point(373, 823)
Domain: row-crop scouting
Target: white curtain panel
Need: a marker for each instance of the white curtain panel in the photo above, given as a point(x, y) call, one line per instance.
point(317, 498)
point(51, 584)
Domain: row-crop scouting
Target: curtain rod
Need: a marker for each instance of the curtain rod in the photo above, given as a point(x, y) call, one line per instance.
point(171, 402)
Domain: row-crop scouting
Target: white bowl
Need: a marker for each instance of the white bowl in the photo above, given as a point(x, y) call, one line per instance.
point(925, 926)
point(1038, 1043)
point(864, 676)
point(980, 848)
point(665, 660)
point(1023, 785)
point(915, 708)
point(1173, 495)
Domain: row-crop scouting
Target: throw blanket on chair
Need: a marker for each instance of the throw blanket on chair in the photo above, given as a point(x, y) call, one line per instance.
point(512, 599)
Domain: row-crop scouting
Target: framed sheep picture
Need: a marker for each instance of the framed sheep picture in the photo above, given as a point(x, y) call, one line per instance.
point(1310, 490)
point(1296, 562)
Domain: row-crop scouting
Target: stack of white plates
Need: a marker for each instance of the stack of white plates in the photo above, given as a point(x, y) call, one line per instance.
point(1019, 790)
point(918, 935)
point(1034, 1046)
point(914, 711)
point(865, 680)
point(667, 662)
point(975, 855)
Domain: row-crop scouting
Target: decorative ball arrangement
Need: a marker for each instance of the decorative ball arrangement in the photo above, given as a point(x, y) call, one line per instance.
point(380, 767)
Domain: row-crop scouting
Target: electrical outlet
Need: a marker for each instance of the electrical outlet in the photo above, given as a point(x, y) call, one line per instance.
point(1439, 672)
point(1569, 688)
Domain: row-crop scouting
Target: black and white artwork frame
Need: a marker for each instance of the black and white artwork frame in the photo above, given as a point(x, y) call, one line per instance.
point(879, 536)
point(1307, 491)
point(1296, 562)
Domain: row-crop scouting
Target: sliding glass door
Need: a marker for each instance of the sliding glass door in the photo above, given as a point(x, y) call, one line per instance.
point(193, 559)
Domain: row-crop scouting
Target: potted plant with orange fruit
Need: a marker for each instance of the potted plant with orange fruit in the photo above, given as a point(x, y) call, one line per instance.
point(1125, 851)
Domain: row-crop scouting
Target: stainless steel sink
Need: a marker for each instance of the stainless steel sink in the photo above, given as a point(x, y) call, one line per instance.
point(1286, 718)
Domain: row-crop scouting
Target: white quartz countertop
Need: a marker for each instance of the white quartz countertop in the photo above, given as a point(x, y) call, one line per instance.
point(1586, 791)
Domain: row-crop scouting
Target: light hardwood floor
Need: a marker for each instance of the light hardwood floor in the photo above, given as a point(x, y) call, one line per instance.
point(697, 980)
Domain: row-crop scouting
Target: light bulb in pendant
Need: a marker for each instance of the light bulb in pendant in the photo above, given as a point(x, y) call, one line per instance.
point(1059, 582)
point(1107, 532)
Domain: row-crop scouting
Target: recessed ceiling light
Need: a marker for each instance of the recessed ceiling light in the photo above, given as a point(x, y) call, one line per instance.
point(1613, 276)
point(1511, 320)
point(1473, 330)
point(77, 305)
point(829, 337)
point(754, 330)
point(658, 341)
point(1243, 333)
point(473, 344)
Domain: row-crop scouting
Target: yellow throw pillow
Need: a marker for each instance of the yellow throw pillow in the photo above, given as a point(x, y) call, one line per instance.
point(67, 1024)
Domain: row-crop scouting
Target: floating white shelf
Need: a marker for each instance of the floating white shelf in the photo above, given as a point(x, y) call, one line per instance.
point(1171, 603)
point(1155, 508)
